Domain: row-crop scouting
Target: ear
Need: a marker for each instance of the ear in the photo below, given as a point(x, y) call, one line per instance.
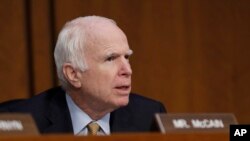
point(72, 75)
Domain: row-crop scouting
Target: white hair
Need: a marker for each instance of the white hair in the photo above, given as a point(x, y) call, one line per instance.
point(71, 42)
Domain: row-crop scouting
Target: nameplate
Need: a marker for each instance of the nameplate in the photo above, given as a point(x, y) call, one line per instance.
point(205, 122)
point(17, 124)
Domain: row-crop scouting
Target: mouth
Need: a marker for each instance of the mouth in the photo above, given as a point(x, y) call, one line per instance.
point(123, 90)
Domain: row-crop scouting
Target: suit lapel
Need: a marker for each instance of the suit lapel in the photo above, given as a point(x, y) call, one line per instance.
point(58, 115)
point(121, 120)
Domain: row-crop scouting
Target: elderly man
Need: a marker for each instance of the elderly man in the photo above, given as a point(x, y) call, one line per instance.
point(92, 60)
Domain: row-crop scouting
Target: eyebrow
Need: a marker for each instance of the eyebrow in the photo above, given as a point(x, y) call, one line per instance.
point(129, 52)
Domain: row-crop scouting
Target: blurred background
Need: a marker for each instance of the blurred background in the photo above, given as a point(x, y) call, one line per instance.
point(192, 55)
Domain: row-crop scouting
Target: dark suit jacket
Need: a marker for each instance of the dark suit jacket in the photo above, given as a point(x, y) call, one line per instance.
point(51, 114)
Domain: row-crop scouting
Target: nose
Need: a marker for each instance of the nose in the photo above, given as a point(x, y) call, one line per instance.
point(125, 69)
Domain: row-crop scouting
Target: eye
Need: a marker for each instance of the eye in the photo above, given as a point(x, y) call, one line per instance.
point(111, 58)
point(127, 57)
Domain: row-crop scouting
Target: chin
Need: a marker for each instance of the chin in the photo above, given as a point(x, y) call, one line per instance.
point(122, 102)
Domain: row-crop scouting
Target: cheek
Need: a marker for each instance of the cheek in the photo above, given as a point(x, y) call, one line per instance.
point(107, 75)
point(103, 78)
point(102, 83)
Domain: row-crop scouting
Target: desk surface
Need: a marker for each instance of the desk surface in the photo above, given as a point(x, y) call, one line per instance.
point(123, 137)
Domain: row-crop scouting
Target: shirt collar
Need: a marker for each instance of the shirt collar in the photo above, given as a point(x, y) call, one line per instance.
point(80, 119)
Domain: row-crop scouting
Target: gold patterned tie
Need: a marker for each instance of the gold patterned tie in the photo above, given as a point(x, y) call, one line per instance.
point(93, 128)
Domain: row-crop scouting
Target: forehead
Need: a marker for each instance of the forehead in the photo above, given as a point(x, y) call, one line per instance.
point(107, 39)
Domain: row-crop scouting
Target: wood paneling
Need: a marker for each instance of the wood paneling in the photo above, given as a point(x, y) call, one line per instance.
point(190, 54)
point(14, 78)
point(42, 45)
point(124, 137)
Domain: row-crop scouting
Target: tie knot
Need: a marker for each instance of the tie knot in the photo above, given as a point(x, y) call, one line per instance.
point(93, 128)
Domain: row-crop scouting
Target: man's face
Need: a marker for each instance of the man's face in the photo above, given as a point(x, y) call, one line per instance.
point(107, 81)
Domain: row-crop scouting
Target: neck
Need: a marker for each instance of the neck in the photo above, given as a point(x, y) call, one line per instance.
point(95, 115)
point(95, 110)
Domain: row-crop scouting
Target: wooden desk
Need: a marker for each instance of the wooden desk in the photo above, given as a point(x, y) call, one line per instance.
point(124, 137)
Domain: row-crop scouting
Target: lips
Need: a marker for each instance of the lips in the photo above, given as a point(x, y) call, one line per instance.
point(123, 89)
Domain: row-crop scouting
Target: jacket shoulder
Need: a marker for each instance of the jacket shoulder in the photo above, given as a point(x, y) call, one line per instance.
point(27, 105)
point(142, 102)
point(137, 116)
